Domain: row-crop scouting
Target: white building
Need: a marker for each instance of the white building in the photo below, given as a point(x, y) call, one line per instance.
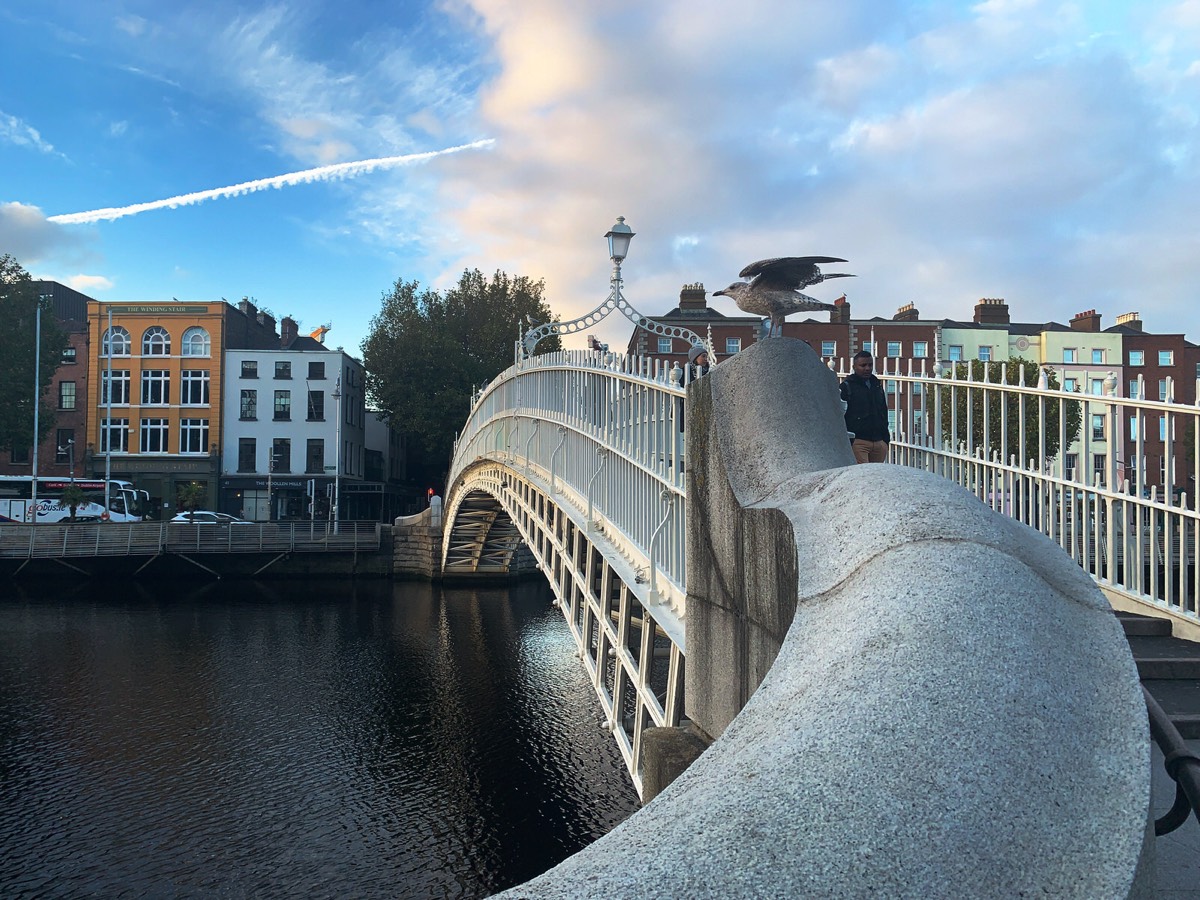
point(293, 419)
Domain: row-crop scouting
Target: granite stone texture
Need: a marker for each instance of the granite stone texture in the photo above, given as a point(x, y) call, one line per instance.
point(953, 710)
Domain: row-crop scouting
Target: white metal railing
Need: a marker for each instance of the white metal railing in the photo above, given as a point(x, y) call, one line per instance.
point(605, 431)
point(1135, 529)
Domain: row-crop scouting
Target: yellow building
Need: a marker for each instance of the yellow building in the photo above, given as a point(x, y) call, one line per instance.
point(155, 391)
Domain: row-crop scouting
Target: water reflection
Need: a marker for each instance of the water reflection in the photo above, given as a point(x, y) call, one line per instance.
point(278, 739)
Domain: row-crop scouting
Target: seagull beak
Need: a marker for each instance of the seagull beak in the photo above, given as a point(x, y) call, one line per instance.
point(718, 293)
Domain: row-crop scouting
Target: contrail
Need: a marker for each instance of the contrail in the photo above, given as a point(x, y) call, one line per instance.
point(323, 173)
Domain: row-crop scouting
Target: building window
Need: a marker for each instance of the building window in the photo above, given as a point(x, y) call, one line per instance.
point(64, 450)
point(66, 395)
point(868, 347)
point(954, 353)
point(1133, 428)
point(1070, 354)
point(1137, 357)
point(249, 405)
point(1098, 387)
point(316, 406)
point(283, 406)
point(316, 371)
point(315, 459)
point(829, 349)
point(985, 354)
point(196, 342)
point(249, 368)
point(893, 349)
point(193, 435)
point(193, 387)
point(916, 389)
point(1166, 357)
point(890, 387)
point(1070, 385)
point(156, 387)
point(1162, 428)
point(1163, 391)
point(281, 455)
point(114, 433)
point(19, 456)
point(120, 387)
point(1133, 389)
point(283, 369)
point(1070, 464)
point(664, 346)
point(118, 339)
point(1098, 426)
point(1099, 463)
point(733, 345)
point(156, 341)
point(920, 349)
point(154, 435)
point(247, 450)
point(68, 356)
point(1097, 357)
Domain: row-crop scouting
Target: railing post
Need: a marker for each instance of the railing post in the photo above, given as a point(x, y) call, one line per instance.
point(670, 500)
point(602, 452)
point(562, 429)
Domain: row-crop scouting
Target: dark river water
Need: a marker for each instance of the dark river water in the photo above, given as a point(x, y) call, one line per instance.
point(306, 739)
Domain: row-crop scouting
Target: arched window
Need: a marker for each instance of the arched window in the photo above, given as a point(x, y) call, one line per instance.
point(156, 342)
point(196, 342)
point(121, 343)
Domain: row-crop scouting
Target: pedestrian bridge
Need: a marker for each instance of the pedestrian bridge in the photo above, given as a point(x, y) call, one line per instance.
point(677, 520)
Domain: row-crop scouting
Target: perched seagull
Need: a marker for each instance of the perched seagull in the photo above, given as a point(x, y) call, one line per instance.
point(774, 288)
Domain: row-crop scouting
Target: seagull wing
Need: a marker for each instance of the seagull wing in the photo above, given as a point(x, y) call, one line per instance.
point(787, 272)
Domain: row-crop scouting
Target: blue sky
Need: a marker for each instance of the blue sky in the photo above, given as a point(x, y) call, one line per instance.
point(1043, 152)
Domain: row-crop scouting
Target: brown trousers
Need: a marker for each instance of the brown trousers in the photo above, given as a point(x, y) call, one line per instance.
point(869, 451)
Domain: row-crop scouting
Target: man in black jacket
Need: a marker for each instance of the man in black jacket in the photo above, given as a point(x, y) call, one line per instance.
point(866, 411)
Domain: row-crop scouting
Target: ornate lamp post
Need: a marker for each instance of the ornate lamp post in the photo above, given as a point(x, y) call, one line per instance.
point(619, 237)
point(70, 451)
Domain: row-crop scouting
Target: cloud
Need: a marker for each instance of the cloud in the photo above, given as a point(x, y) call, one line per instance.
point(89, 284)
point(14, 131)
point(323, 173)
point(30, 237)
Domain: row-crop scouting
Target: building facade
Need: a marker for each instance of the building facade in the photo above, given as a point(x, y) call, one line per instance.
point(295, 427)
point(155, 390)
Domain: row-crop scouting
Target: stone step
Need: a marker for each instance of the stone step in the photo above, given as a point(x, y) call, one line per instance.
point(1180, 700)
point(1165, 657)
point(1138, 625)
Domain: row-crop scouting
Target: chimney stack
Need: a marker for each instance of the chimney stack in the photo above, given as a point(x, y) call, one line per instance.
point(907, 313)
point(692, 297)
point(841, 315)
point(248, 308)
point(1088, 320)
point(991, 311)
point(1130, 320)
point(287, 331)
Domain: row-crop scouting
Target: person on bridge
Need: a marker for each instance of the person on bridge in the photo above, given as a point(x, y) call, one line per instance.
point(697, 362)
point(866, 411)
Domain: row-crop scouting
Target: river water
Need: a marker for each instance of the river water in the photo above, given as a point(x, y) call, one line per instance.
point(280, 739)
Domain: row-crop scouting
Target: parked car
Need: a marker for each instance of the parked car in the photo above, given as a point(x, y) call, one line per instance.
point(208, 517)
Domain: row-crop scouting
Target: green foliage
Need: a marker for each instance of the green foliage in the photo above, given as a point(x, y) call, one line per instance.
point(425, 352)
point(18, 302)
point(73, 497)
point(190, 497)
point(956, 402)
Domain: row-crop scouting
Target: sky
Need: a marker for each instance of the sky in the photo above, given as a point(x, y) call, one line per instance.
point(308, 155)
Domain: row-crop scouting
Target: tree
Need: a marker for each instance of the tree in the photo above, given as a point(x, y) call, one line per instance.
point(18, 302)
point(425, 352)
point(73, 497)
point(189, 497)
point(1019, 371)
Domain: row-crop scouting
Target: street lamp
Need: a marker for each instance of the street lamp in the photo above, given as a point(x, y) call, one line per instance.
point(619, 237)
point(70, 451)
point(271, 459)
point(337, 451)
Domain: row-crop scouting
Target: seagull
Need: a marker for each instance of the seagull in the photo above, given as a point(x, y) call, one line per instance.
point(774, 288)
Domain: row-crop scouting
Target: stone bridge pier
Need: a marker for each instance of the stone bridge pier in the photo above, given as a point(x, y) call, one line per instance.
point(907, 694)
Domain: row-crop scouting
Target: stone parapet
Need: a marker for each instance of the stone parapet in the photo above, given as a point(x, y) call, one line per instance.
point(947, 706)
point(416, 547)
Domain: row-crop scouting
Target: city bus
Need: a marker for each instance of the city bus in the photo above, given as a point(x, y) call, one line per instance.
point(125, 502)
